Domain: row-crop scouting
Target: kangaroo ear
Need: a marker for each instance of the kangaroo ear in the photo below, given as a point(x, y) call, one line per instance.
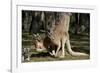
point(34, 36)
point(37, 34)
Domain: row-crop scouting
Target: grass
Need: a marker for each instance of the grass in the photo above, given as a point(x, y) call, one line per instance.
point(38, 57)
point(78, 43)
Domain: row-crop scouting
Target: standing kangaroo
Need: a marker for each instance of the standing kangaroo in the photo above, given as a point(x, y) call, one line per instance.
point(59, 36)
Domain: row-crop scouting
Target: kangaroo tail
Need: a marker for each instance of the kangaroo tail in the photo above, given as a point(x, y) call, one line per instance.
point(71, 52)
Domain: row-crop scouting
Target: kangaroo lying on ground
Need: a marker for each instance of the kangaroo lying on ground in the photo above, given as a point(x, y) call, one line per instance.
point(58, 37)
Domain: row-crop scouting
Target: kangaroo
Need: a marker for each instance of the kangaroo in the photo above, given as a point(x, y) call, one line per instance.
point(59, 36)
point(45, 45)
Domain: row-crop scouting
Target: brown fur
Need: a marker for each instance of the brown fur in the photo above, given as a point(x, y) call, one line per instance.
point(59, 36)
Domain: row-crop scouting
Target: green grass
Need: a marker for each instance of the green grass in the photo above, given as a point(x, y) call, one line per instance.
point(43, 57)
point(78, 43)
